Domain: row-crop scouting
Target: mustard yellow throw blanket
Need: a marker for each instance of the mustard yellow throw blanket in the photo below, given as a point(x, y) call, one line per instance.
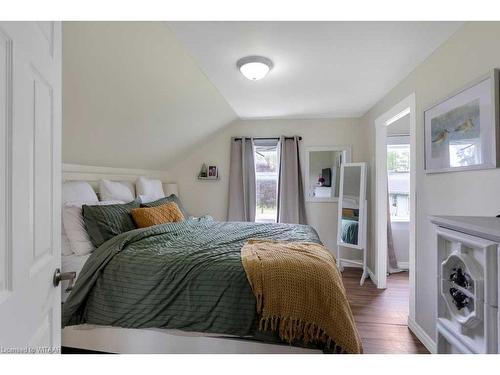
point(299, 292)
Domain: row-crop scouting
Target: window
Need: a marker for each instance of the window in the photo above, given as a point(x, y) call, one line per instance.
point(266, 176)
point(398, 172)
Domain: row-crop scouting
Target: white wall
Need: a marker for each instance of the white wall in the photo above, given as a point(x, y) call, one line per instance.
point(401, 240)
point(467, 55)
point(400, 229)
point(399, 127)
point(202, 197)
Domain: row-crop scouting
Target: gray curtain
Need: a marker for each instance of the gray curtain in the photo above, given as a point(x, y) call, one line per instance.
point(291, 206)
point(241, 181)
point(392, 261)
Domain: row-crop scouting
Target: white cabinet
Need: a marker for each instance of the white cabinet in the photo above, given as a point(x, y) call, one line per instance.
point(467, 284)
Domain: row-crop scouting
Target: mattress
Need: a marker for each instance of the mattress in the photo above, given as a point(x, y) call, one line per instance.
point(71, 263)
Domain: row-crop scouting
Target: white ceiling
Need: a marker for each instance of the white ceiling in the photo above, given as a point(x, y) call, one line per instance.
point(321, 69)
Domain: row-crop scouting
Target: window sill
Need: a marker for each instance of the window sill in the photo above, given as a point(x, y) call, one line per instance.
point(397, 220)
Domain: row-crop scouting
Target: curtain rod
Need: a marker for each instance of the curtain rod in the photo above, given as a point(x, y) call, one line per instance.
point(265, 138)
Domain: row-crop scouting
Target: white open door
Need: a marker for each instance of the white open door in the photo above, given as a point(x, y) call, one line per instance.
point(30, 186)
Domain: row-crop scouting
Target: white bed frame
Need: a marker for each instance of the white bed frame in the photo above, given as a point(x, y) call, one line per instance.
point(161, 341)
point(75, 172)
point(127, 340)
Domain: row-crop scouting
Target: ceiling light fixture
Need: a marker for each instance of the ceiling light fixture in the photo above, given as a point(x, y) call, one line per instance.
point(254, 67)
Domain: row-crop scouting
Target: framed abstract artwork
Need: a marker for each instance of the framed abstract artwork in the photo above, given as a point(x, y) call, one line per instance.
point(462, 131)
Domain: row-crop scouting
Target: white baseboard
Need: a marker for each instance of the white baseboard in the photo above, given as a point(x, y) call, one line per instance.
point(347, 263)
point(424, 338)
point(404, 265)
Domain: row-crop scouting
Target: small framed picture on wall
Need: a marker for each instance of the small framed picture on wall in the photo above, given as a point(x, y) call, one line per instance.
point(212, 171)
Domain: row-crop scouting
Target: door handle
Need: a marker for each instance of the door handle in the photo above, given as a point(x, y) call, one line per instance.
point(60, 276)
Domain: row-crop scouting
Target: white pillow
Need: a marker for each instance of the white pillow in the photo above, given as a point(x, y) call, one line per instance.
point(74, 191)
point(74, 226)
point(116, 191)
point(78, 191)
point(145, 199)
point(149, 189)
point(65, 246)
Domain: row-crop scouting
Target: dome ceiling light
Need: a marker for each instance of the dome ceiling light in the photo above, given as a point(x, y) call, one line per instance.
point(254, 67)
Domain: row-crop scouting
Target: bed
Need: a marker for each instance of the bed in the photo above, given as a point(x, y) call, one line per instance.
point(196, 264)
point(174, 288)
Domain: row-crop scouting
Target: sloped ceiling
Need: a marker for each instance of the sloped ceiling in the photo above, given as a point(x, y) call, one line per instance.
point(132, 96)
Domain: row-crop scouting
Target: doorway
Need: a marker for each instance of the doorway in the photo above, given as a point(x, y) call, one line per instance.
point(401, 112)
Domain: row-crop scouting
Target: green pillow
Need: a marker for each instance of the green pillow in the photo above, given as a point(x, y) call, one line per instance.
point(105, 222)
point(171, 198)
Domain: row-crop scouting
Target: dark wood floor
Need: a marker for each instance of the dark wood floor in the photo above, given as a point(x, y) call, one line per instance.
point(381, 315)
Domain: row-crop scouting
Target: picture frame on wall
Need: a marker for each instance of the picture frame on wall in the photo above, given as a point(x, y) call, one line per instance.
point(212, 171)
point(462, 131)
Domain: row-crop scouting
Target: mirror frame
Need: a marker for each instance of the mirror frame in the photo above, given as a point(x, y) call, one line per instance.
point(362, 207)
point(346, 156)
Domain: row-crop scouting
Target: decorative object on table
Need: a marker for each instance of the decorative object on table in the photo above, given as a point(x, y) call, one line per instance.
point(321, 181)
point(461, 131)
point(208, 173)
point(203, 172)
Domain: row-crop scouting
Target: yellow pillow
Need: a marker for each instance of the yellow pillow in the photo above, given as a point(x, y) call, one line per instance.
point(148, 216)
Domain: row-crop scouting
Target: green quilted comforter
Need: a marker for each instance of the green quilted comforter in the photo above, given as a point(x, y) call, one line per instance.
point(186, 276)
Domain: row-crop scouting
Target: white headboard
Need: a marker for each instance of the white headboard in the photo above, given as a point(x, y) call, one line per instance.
point(91, 174)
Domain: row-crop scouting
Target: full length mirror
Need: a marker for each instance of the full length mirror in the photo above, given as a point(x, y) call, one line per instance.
point(323, 172)
point(351, 231)
point(352, 205)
